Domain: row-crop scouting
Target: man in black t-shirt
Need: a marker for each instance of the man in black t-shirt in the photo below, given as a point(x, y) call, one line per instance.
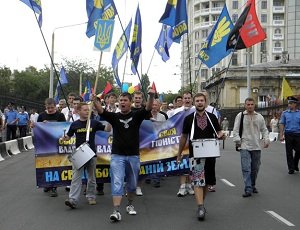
point(50, 115)
point(125, 160)
point(198, 125)
point(79, 128)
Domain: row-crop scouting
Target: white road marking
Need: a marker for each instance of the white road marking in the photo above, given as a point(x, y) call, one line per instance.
point(280, 218)
point(227, 182)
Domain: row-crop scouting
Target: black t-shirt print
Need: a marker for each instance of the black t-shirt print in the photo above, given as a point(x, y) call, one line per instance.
point(126, 127)
point(79, 129)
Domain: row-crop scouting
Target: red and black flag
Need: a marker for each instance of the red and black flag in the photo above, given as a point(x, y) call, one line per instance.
point(247, 31)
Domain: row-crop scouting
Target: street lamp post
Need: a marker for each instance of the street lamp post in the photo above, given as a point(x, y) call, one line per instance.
point(52, 56)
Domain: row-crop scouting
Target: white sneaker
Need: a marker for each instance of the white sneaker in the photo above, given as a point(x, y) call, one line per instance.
point(115, 216)
point(182, 191)
point(138, 191)
point(189, 189)
point(130, 210)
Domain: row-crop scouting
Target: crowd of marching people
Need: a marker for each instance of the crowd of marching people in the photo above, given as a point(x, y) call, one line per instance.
point(122, 116)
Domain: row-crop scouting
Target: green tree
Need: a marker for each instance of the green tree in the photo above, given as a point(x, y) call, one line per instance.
point(5, 83)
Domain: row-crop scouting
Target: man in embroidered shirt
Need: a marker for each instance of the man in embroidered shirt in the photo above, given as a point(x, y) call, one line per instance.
point(199, 125)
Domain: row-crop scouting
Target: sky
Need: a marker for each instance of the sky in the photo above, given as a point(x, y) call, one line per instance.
point(22, 45)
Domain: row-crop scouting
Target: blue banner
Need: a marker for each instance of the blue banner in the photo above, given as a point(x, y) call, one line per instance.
point(159, 143)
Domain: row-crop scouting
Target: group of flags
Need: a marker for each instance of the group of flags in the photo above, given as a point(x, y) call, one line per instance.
point(222, 40)
point(225, 38)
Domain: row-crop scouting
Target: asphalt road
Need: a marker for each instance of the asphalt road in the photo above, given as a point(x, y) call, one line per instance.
point(23, 206)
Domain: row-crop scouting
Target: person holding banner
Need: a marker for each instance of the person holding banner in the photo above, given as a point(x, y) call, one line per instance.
point(50, 115)
point(125, 159)
point(79, 128)
point(198, 125)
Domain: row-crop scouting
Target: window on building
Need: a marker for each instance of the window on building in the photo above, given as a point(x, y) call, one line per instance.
point(196, 73)
point(278, 17)
point(277, 57)
point(263, 18)
point(278, 3)
point(234, 60)
point(197, 35)
point(277, 44)
point(204, 73)
point(217, 4)
point(264, 5)
point(277, 31)
point(263, 46)
point(196, 48)
point(235, 5)
point(204, 33)
point(215, 18)
point(235, 18)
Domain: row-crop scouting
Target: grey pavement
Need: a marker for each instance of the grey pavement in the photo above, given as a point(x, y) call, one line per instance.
point(23, 206)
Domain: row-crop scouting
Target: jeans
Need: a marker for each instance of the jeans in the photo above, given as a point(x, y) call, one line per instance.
point(250, 161)
point(122, 167)
point(75, 188)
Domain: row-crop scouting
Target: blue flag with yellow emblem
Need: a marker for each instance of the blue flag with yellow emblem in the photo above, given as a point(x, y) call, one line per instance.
point(181, 21)
point(136, 41)
point(164, 43)
point(120, 50)
point(98, 9)
point(63, 80)
point(214, 49)
point(168, 17)
point(36, 6)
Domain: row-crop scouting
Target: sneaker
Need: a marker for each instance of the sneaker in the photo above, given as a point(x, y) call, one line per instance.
point(46, 189)
point(100, 192)
point(254, 190)
point(201, 212)
point(53, 192)
point(211, 188)
point(115, 216)
point(147, 180)
point(92, 201)
point(156, 184)
point(130, 210)
point(247, 194)
point(182, 191)
point(70, 204)
point(67, 188)
point(138, 191)
point(189, 189)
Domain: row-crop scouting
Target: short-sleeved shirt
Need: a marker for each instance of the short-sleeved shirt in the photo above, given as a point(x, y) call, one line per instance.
point(126, 131)
point(206, 130)
point(291, 121)
point(79, 129)
point(55, 117)
point(23, 119)
point(10, 117)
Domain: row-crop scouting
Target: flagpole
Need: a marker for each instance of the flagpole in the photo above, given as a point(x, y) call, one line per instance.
point(248, 73)
point(150, 62)
point(126, 58)
point(127, 42)
point(51, 59)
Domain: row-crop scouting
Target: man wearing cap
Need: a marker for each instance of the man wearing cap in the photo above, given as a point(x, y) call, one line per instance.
point(289, 126)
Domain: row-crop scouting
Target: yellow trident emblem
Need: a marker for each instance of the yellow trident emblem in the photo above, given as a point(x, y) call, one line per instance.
point(104, 35)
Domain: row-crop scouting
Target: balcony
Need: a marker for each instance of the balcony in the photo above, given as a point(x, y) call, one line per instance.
point(204, 11)
point(278, 36)
point(278, 22)
point(204, 24)
point(277, 49)
point(216, 10)
point(278, 9)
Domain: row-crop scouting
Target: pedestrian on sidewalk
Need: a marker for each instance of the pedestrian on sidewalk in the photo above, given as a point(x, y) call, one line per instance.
point(290, 132)
point(125, 159)
point(199, 125)
point(248, 126)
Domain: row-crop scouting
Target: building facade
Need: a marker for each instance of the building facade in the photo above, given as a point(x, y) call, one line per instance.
point(280, 20)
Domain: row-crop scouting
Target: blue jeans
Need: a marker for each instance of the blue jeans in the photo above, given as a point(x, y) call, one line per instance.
point(122, 167)
point(250, 161)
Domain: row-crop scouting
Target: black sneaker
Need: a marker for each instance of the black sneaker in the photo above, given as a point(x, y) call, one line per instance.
point(297, 168)
point(70, 204)
point(46, 189)
point(100, 192)
point(53, 192)
point(67, 188)
point(247, 194)
point(291, 171)
point(201, 213)
point(254, 190)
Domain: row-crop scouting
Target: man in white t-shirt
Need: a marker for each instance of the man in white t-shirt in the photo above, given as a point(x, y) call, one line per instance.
point(66, 111)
